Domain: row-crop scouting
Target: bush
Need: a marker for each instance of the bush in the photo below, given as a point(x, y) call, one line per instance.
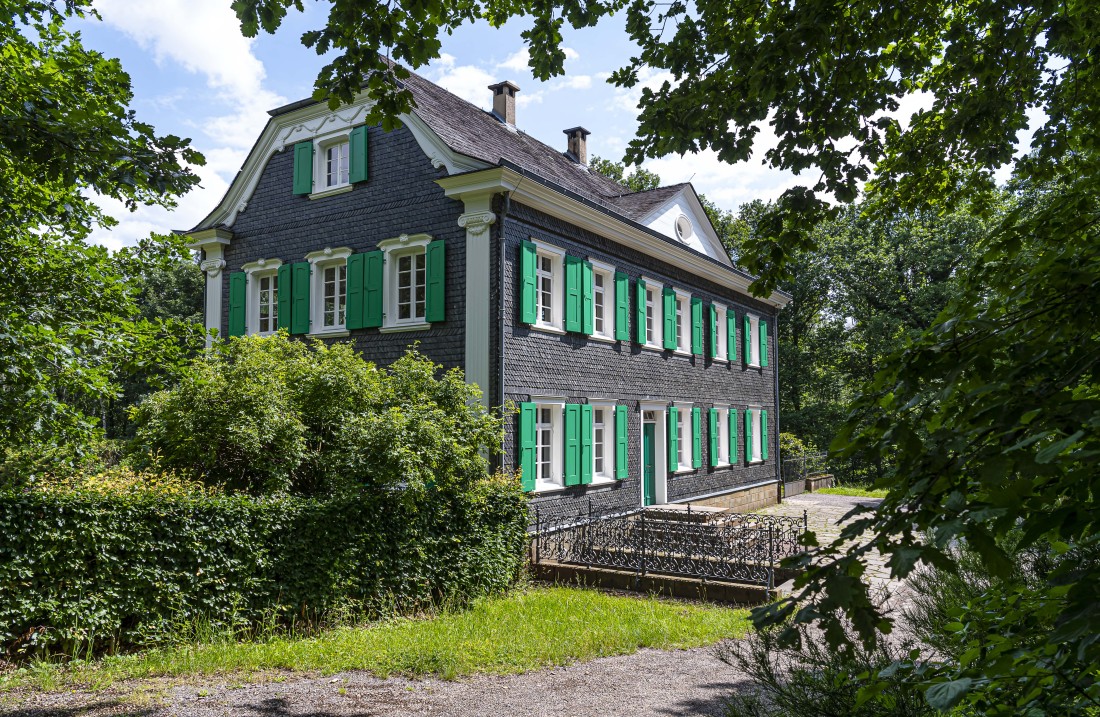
point(90, 569)
point(791, 446)
point(272, 416)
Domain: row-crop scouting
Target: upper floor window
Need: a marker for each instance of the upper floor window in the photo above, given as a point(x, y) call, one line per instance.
point(683, 322)
point(262, 303)
point(721, 333)
point(653, 316)
point(752, 340)
point(411, 287)
point(336, 164)
point(406, 281)
point(545, 283)
point(603, 300)
point(542, 285)
point(330, 289)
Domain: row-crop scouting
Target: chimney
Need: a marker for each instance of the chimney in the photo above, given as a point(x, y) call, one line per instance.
point(504, 101)
point(578, 144)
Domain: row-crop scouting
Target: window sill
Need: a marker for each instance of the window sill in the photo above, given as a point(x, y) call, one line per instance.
point(398, 328)
point(547, 329)
point(604, 339)
point(721, 465)
point(682, 469)
point(651, 347)
point(681, 352)
point(543, 488)
point(330, 191)
point(756, 463)
point(328, 334)
point(602, 480)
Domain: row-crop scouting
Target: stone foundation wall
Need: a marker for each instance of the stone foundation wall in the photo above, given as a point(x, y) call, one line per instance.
point(819, 482)
point(743, 501)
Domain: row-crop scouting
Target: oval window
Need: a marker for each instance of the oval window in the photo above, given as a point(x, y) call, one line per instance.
point(683, 228)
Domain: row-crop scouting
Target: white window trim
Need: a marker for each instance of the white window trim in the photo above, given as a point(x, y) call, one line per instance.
point(319, 261)
point(683, 448)
point(757, 443)
point(722, 331)
point(683, 340)
point(557, 292)
point(658, 314)
point(723, 435)
point(608, 273)
point(392, 250)
point(557, 420)
point(320, 145)
point(608, 406)
point(256, 270)
point(754, 340)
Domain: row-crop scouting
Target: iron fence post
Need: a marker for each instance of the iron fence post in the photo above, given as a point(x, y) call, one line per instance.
point(643, 545)
point(588, 537)
point(771, 560)
point(538, 535)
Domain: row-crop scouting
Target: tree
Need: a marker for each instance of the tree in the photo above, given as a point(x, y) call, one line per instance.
point(67, 314)
point(991, 418)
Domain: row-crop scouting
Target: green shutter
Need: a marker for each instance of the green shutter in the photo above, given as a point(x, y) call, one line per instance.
point(748, 436)
point(357, 155)
point(639, 310)
point(763, 342)
point(622, 307)
point(436, 269)
point(763, 435)
point(696, 437)
point(286, 286)
point(731, 336)
point(528, 300)
point(733, 435)
point(620, 442)
point(356, 290)
point(572, 293)
point(673, 441)
point(299, 312)
point(588, 304)
point(712, 322)
point(712, 435)
point(527, 445)
point(237, 291)
point(669, 309)
point(696, 326)
point(303, 167)
point(746, 339)
point(373, 273)
point(586, 444)
point(572, 444)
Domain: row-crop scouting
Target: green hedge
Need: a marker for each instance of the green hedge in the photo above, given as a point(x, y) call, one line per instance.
point(94, 570)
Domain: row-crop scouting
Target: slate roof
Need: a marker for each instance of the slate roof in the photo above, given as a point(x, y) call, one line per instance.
point(639, 204)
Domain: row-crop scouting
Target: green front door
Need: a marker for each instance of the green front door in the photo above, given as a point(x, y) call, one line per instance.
point(649, 473)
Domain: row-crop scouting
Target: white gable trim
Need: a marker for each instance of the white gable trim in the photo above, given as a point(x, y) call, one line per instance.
point(699, 219)
point(313, 121)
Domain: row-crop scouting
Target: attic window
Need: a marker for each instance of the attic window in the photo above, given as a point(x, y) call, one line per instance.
point(683, 228)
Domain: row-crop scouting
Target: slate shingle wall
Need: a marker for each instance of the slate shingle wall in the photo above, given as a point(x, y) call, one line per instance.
point(577, 367)
point(399, 197)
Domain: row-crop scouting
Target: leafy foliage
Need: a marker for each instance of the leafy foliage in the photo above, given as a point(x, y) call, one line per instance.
point(89, 568)
point(68, 323)
point(271, 415)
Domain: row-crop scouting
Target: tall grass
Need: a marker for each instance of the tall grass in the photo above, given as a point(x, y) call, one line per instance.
point(519, 632)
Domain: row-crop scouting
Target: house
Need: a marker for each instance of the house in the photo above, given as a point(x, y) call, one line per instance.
point(643, 370)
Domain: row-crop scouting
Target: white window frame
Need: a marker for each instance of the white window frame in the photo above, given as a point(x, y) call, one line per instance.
point(722, 331)
point(654, 311)
point(556, 406)
point(255, 271)
point(319, 261)
point(723, 434)
point(393, 249)
point(557, 287)
point(321, 144)
point(607, 273)
point(757, 438)
point(683, 322)
point(683, 437)
point(607, 406)
point(754, 340)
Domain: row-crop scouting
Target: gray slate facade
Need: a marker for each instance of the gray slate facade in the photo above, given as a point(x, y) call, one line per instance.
point(404, 196)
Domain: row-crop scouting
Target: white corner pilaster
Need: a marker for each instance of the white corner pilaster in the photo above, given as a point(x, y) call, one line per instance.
point(476, 220)
point(212, 243)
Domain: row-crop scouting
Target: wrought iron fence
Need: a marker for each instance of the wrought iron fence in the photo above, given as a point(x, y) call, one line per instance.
point(735, 547)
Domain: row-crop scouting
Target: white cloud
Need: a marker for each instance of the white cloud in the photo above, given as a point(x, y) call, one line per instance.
point(727, 185)
point(469, 82)
point(575, 82)
point(523, 99)
point(627, 98)
point(204, 38)
point(517, 61)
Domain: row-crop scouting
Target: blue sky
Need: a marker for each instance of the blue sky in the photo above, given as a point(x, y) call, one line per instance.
point(194, 75)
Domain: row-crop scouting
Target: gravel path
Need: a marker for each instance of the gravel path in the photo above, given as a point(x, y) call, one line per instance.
point(649, 682)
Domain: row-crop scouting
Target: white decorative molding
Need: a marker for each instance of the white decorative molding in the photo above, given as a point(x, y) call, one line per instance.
point(212, 267)
point(476, 223)
point(307, 123)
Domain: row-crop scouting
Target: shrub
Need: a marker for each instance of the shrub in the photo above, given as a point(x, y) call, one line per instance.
point(791, 446)
point(87, 569)
point(271, 415)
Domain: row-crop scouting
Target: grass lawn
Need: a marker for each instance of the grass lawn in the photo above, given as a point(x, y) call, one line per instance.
point(854, 491)
point(525, 630)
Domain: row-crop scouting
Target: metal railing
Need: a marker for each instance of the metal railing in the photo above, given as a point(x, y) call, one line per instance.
point(734, 547)
point(802, 467)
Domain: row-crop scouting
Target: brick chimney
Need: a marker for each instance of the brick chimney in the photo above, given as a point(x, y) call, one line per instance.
point(504, 101)
point(578, 144)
